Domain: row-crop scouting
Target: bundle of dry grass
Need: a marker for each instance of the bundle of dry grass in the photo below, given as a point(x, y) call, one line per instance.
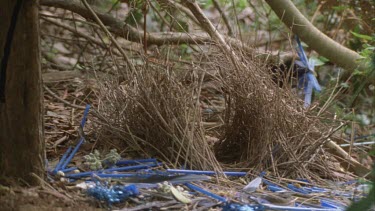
point(155, 113)
point(266, 126)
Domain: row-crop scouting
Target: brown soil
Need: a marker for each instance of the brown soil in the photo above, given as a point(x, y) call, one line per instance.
point(38, 198)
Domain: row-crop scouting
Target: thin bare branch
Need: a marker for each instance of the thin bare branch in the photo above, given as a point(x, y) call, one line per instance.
point(223, 16)
point(97, 19)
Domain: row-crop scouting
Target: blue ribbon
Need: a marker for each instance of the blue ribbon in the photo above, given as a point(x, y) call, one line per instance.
point(307, 81)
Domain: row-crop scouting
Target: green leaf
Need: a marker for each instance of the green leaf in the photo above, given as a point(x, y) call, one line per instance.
point(344, 85)
point(358, 72)
point(317, 61)
point(182, 26)
point(179, 196)
point(340, 8)
point(134, 17)
point(324, 59)
point(362, 36)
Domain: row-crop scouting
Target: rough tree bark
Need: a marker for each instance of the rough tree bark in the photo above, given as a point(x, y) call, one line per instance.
point(21, 116)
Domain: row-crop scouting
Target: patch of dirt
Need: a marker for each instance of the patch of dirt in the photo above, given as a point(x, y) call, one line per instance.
point(36, 199)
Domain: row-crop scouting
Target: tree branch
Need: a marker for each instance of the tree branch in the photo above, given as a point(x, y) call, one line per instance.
point(223, 16)
point(318, 41)
point(130, 33)
point(179, 7)
point(122, 29)
point(97, 19)
point(212, 31)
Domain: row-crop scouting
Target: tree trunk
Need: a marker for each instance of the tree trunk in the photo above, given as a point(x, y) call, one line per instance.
point(21, 114)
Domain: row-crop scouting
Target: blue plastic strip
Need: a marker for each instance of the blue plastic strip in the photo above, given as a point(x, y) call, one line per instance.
point(118, 175)
point(85, 113)
point(315, 189)
point(314, 81)
point(69, 169)
point(301, 53)
point(205, 192)
point(308, 93)
point(332, 204)
point(129, 162)
point(62, 160)
point(275, 188)
point(83, 122)
point(298, 190)
point(227, 173)
point(307, 80)
point(303, 180)
point(86, 174)
point(289, 208)
point(67, 161)
point(127, 168)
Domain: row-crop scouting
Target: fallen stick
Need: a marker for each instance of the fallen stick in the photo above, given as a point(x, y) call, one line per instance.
point(356, 167)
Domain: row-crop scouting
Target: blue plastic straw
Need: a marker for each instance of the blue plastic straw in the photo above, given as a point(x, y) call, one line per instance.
point(82, 174)
point(290, 208)
point(85, 113)
point(298, 190)
point(227, 173)
point(62, 160)
point(67, 161)
point(83, 122)
point(308, 80)
point(205, 192)
point(68, 169)
point(315, 189)
point(275, 188)
point(129, 162)
point(105, 175)
point(119, 175)
point(128, 168)
point(358, 144)
point(331, 204)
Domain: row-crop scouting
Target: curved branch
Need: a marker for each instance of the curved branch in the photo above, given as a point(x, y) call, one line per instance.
point(123, 30)
point(318, 41)
point(179, 7)
point(132, 34)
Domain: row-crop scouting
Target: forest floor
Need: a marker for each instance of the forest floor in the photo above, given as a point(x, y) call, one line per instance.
point(61, 131)
point(70, 74)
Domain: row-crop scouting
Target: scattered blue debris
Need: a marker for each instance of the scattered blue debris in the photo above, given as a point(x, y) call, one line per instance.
point(298, 190)
point(275, 188)
point(130, 162)
point(327, 203)
point(69, 169)
point(83, 122)
point(102, 172)
point(68, 155)
point(207, 193)
point(114, 194)
point(307, 80)
point(239, 207)
point(227, 173)
point(290, 208)
point(62, 160)
point(127, 168)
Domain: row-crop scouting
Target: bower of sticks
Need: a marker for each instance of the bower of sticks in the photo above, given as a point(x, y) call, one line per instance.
point(217, 107)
